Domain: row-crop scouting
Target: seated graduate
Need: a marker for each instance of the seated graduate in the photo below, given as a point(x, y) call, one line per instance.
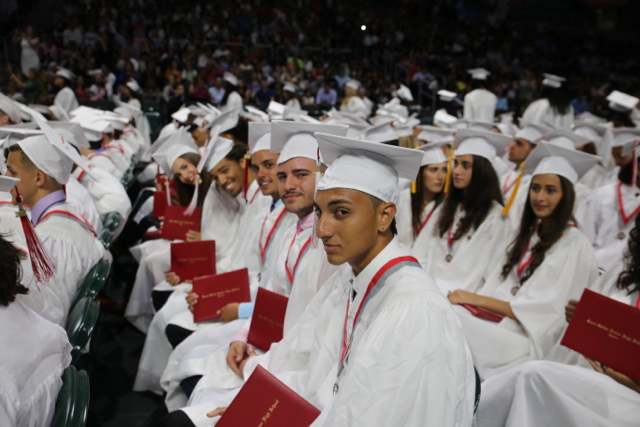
point(417, 205)
point(606, 215)
point(581, 394)
point(34, 352)
point(370, 367)
point(469, 235)
point(43, 164)
point(549, 262)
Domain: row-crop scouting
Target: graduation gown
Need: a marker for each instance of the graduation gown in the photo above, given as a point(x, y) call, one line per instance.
point(404, 218)
point(104, 161)
point(473, 256)
point(80, 198)
point(602, 221)
point(568, 267)
point(35, 352)
point(507, 185)
point(480, 104)
point(541, 112)
point(66, 99)
point(233, 101)
point(357, 106)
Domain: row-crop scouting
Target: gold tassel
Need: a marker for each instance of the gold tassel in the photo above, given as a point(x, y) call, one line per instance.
point(512, 197)
point(414, 187)
point(447, 182)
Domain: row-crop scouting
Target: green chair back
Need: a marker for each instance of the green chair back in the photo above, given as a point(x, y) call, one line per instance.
point(109, 227)
point(94, 281)
point(80, 324)
point(478, 390)
point(72, 404)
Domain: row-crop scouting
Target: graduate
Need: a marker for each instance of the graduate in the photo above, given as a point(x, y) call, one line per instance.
point(579, 394)
point(65, 98)
point(418, 204)
point(554, 108)
point(480, 103)
point(352, 103)
point(549, 262)
point(469, 235)
point(232, 99)
point(600, 138)
point(43, 164)
point(606, 215)
point(35, 351)
point(9, 111)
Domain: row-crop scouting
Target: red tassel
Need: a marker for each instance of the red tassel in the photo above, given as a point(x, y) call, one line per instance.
point(64, 189)
point(41, 262)
point(247, 164)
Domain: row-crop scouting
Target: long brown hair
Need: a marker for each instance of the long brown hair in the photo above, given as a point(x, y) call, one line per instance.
point(185, 191)
point(629, 279)
point(477, 200)
point(417, 199)
point(557, 224)
point(10, 273)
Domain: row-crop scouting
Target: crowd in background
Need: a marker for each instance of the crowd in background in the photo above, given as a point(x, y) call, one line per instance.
point(180, 50)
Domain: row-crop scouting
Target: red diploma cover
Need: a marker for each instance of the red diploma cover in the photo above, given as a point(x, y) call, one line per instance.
point(215, 292)
point(193, 259)
point(265, 401)
point(176, 224)
point(159, 203)
point(482, 313)
point(267, 321)
point(606, 331)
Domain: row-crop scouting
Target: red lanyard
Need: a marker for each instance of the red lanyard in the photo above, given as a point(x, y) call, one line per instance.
point(523, 264)
point(263, 249)
point(425, 221)
point(254, 195)
point(452, 236)
point(625, 218)
point(506, 188)
point(290, 274)
point(82, 221)
point(346, 343)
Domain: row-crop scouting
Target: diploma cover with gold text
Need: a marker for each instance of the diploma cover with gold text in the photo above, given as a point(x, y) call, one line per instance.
point(215, 292)
point(193, 259)
point(267, 322)
point(177, 224)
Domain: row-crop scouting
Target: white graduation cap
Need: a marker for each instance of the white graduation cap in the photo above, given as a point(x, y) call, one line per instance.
point(379, 133)
point(59, 112)
point(444, 119)
point(72, 133)
point(431, 133)
point(263, 117)
point(532, 132)
point(259, 137)
point(352, 117)
point(65, 73)
point(290, 87)
point(460, 124)
point(590, 130)
point(479, 73)
point(11, 108)
point(295, 139)
point(182, 115)
point(479, 143)
point(210, 109)
point(219, 147)
point(394, 108)
point(354, 129)
point(626, 138)
point(52, 154)
point(404, 93)
point(619, 101)
point(481, 125)
point(588, 117)
point(133, 85)
point(552, 80)
point(178, 144)
point(366, 166)
point(566, 139)
point(353, 84)
point(380, 120)
point(227, 120)
point(7, 183)
point(230, 78)
point(275, 108)
point(447, 96)
point(403, 131)
point(507, 129)
point(411, 121)
point(297, 117)
point(161, 140)
point(568, 163)
point(506, 117)
point(200, 110)
point(433, 154)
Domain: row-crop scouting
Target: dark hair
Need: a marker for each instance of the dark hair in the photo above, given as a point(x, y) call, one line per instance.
point(185, 191)
point(10, 273)
point(483, 189)
point(557, 224)
point(559, 98)
point(228, 90)
point(629, 279)
point(417, 199)
point(237, 152)
point(626, 173)
point(26, 161)
point(240, 132)
point(377, 202)
point(621, 119)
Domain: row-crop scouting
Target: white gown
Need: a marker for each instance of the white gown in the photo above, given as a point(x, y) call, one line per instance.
point(66, 99)
point(233, 101)
point(568, 268)
point(80, 198)
point(480, 104)
point(507, 186)
point(541, 112)
point(601, 221)
point(357, 106)
point(473, 255)
point(104, 161)
point(404, 218)
point(35, 352)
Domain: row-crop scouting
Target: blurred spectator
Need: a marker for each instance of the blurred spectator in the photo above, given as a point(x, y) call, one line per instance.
point(29, 55)
point(188, 73)
point(31, 87)
point(580, 104)
point(265, 95)
point(308, 98)
point(217, 91)
point(327, 95)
